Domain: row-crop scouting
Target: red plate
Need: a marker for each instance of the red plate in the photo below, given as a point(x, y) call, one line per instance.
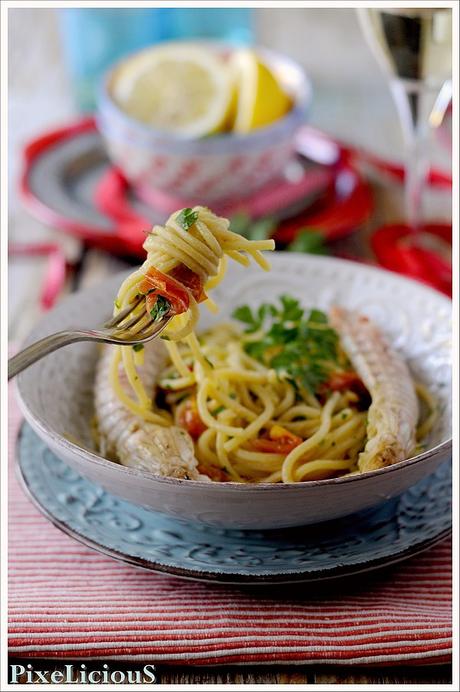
point(424, 254)
point(69, 184)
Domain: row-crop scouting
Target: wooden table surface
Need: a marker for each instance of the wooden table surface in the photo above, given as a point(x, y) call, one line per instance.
point(256, 675)
point(90, 266)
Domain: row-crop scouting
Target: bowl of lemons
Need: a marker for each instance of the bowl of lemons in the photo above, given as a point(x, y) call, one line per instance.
point(202, 121)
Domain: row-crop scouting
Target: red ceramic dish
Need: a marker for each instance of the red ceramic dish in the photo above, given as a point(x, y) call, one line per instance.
point(121, 219)
point(422, 254)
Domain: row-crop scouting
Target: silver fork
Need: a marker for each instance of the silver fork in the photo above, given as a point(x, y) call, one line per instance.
point(119, 330)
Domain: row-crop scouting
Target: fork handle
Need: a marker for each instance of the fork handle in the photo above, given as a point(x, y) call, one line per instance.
point(41, 348)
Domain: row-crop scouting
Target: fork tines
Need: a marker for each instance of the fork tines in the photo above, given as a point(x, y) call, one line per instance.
point(116, 320)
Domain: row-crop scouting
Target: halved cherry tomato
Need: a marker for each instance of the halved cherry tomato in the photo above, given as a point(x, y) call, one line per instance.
point(341, 381)
point(189, 418)
point(214, 473)
point(155, 284)
point(263, 444)
point(280, 441)
point(190, 280)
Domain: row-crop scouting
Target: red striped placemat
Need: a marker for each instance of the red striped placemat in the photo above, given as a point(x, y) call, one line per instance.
point(66, 601)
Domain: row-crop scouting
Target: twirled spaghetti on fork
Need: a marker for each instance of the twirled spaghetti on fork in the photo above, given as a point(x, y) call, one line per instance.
point(185, 258)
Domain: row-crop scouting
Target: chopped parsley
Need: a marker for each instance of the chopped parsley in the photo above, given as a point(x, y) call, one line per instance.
point(117, 303)
point(138, 347)
point(187, 218)
point(300, 346)
point(160, 309)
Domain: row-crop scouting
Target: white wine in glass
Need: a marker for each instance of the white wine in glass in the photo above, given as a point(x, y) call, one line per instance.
point(414, 47)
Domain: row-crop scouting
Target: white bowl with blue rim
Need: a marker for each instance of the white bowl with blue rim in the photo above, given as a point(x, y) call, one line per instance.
point(225, 166)
point(56, 394)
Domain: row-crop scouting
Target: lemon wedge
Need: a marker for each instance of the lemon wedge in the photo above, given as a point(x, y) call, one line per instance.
point(260, 98)
point(180, 88)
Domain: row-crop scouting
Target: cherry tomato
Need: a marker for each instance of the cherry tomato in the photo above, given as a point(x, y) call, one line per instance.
point(279, 441)
point(214, 473)
point(190, 280)
point(155, 284)
point(341, 381)
point(189, 418)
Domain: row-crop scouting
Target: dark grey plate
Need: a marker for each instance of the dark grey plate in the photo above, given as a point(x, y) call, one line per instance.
point(64, 176)
point(59, 184)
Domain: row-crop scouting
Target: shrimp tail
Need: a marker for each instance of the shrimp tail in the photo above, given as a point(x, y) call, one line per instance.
point(164, 450)
point(393, 413)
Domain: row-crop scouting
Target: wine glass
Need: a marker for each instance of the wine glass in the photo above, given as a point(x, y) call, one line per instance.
point(414, 47)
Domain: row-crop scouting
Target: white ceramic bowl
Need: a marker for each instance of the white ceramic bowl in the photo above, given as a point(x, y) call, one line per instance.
point(56, 393)
point(221, 167)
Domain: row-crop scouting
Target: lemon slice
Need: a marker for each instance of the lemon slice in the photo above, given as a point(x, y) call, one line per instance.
point(260, 97)
point(181, 88)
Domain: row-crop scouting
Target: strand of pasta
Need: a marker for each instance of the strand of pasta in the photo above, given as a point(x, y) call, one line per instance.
point(178, 362)
point(129, 365)
point(224, 458)
point(150, 416)
point(310, 444)
point(317, 467)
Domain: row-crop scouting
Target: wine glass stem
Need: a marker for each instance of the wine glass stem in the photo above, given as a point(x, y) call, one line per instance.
point(413, 104)
point(416, 171)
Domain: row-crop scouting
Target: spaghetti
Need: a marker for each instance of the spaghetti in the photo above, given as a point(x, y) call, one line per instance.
point(251, 425)
point(185, 258)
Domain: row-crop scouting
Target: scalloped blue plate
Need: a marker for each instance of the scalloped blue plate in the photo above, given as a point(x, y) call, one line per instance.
point(398, 529)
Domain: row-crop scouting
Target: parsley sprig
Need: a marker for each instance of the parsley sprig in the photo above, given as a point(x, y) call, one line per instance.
point(187, 218)
point(301, 347)
point(160, 309)
point(309, 240)
point(251, 229)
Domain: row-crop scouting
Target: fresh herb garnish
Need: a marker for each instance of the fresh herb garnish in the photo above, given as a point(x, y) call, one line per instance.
point(302, 348)
point(252, 230)
point(261, 229)
point(239, 223)
point(160, 309)
point(117, 303)
point(310, 241)
point(138, 347)
point(187, 218)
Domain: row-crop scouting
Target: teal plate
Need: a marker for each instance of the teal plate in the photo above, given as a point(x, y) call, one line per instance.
point(394, 531)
